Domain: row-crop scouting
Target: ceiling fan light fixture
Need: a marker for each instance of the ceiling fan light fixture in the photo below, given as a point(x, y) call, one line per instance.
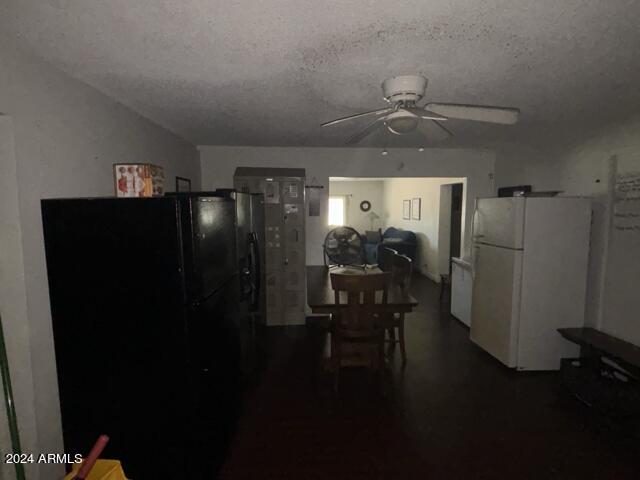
point(402, 126)
point(401, 123)
point(421, 149)
point(385, 152)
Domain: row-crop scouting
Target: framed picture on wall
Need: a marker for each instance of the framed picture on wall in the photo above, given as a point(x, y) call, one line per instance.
point(415, 209)
point(406, 209)
point(183, 184)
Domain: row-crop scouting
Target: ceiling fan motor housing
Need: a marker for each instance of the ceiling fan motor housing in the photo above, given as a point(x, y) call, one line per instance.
point(404, 88)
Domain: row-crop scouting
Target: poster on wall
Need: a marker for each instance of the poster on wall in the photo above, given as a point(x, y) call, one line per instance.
point(138, 180)
point(415, 209)
point(406, 209)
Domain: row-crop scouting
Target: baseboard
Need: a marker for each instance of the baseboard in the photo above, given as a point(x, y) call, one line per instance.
point(431, 276)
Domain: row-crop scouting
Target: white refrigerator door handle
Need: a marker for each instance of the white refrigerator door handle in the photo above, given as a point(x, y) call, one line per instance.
point(474, 260)
point(476, 220)
point(473, 237)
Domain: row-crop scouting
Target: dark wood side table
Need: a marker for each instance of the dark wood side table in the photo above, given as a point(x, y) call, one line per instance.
point(606, 376)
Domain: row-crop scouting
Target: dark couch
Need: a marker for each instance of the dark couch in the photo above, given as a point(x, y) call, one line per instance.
point(402, 241)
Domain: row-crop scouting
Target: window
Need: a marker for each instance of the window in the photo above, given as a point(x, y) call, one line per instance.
point(337, 211)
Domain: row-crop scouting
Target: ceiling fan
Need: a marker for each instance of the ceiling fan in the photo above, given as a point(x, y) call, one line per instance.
point(403, 115)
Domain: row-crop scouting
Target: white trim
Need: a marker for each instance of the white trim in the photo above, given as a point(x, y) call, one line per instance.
point(613, 172)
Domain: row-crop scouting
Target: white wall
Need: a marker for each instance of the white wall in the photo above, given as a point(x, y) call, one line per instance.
point(614, 269)
point(526, 165)
point(427, 228)
point(219, 163)
point(67, 135)
point(584, 168)
point(355, 192)
point(13, 301)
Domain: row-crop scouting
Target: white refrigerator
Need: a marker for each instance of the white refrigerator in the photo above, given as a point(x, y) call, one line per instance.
point(529, 261)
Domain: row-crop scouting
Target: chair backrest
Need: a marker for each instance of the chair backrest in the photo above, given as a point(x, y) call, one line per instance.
point(401, 269)
point(362, 313)
point(385, 258)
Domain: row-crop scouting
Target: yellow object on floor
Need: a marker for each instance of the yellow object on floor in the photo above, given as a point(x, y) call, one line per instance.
point(102, 470)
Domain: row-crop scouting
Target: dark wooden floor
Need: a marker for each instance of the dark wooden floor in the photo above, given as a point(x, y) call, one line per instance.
point(453, 412)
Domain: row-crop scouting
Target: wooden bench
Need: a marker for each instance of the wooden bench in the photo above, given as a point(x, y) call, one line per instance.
point(606, 376)
point(595, 342)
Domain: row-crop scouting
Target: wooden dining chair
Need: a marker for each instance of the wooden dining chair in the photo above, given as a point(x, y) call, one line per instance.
point(357, 336)
point(401, 270)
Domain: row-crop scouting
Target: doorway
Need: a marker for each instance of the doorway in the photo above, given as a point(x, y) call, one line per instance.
point(450, 225)
point(408, 210)
point(456, 222)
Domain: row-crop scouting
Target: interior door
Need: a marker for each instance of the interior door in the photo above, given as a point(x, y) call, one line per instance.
point(294, 282)
point(499, 221)
point(496, 301)
point(274, 246)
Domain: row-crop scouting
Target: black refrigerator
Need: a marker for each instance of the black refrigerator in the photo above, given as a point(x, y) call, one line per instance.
point(144, 308)
point(259, 297)
point(250, 240)
point(250, 255)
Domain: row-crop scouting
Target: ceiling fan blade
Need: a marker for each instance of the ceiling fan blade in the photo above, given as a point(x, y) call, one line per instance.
point(358, 115)
point(433, 130)
point(443, 128)
point(366, 131)
point(478, 113)
point(422, 113)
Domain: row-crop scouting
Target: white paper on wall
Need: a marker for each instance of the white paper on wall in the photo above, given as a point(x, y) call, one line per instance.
point(626, 210)
point(621, 272)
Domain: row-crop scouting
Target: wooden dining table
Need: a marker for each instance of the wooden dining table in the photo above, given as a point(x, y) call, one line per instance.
point(321, 297)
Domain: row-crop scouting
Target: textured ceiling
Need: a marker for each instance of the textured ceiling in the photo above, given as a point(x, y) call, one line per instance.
point(268, 72)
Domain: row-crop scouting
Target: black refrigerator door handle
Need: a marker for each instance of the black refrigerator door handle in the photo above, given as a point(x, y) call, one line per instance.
point(253, 243)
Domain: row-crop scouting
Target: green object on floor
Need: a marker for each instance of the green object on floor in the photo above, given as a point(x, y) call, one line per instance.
point(9, 404)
